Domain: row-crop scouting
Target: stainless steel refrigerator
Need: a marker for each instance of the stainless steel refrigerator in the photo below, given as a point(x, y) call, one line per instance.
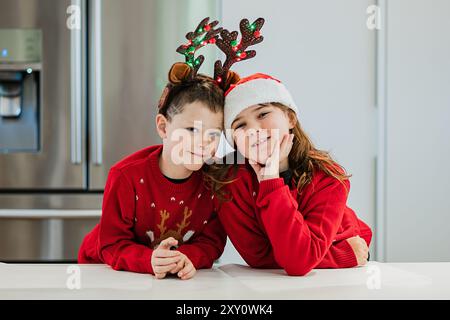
point(79, 82)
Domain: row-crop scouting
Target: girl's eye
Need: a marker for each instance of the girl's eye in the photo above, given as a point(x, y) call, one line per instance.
point(263, 114)
point(239, 126)
point(192, 129)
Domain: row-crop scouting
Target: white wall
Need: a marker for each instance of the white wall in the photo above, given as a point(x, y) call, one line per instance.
point(418, 131)
point(324, 53)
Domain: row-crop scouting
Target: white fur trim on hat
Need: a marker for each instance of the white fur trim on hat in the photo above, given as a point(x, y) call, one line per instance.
point(250, 93)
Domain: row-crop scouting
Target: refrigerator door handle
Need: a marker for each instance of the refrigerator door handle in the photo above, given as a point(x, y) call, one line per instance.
point(76, 83)
point(96, 101)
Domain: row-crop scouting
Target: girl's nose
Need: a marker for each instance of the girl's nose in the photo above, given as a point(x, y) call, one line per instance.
point(253, 131)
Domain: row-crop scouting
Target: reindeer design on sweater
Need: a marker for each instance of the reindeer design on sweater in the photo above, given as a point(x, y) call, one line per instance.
point(177, 234)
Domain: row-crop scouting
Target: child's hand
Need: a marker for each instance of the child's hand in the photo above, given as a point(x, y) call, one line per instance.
point(360, 249)
point(286, 146)
point(271, 169)
point(185, 268)
point(163, 259)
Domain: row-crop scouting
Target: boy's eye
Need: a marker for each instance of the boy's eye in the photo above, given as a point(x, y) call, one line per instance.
point(192, 129)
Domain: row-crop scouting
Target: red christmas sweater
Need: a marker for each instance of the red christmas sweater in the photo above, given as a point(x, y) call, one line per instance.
point(141, 208)
point(271, 226)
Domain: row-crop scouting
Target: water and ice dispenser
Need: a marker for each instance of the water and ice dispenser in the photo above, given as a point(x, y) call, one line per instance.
point(20, 74)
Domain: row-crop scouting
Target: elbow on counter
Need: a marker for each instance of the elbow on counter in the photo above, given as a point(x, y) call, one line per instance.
point(291, 270)
point(297, 271)
point(261, 262)
point(298, 265)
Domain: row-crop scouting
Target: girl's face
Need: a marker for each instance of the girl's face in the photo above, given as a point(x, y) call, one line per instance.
point(256, 129)
point(192, 136)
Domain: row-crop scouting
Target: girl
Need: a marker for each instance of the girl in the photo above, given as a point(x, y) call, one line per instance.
point(155, 199)
point(288, 202)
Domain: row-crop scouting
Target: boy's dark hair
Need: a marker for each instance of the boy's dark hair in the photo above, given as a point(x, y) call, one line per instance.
point(202, 89)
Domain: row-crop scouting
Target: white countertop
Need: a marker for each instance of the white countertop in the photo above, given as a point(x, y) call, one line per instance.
point(48, 213)
point(396, 281)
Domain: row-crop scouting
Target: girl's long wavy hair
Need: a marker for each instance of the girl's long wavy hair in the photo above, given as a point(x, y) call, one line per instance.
point(304, 160)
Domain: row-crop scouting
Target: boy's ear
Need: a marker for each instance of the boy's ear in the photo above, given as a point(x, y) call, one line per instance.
point(161, 125)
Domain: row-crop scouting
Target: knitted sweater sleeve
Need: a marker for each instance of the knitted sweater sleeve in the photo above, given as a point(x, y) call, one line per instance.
point(244, 230)
point(301, 240)
point(117, 246)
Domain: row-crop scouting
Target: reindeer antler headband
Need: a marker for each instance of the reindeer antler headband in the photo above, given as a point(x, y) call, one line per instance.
point(227, 42)
point(201, 36)
point(236, 51)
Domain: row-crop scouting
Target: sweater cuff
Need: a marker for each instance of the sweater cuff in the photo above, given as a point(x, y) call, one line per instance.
point(148, 268)
point(344, 255)
point(268, 186)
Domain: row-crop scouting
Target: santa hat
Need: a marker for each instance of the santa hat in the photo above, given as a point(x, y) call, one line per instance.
point(255, 89)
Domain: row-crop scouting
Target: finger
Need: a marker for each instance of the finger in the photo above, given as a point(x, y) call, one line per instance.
point(290, 143)
point(167, 243)
point(159, 275)
point(179, 266)
point(273, 161)
point(189, 275)
point(284, 141)
point(275, 157)
point(364, 245)
point(275, 146)
point(187, 268)
point(286, 145)
point(164, 269)
point(359, 239)
point(166, 261)
point(363, 258)
point(364, 251)
point(275, 151)
point(165, 253)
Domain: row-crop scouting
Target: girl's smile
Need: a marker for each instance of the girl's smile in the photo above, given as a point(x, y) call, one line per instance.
point(254, 130)
point(260, 142)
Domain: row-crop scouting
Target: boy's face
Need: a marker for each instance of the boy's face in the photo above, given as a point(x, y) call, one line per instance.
point(192, 136)
point(256, 128)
